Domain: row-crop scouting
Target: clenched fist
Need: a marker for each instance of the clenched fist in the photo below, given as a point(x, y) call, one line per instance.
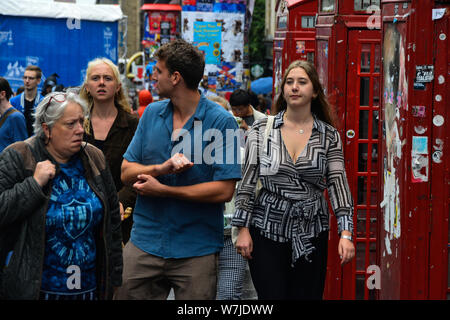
point(45, 170)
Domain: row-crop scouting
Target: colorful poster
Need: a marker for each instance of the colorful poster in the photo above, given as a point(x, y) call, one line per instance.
point(208, 38)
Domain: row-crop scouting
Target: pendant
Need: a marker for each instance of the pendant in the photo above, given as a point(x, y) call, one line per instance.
point(301, 131)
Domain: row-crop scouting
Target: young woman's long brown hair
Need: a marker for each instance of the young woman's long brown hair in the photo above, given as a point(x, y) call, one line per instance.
point(319, 105)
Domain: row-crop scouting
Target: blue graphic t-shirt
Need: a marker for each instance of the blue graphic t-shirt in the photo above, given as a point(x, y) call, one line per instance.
point(74, 212)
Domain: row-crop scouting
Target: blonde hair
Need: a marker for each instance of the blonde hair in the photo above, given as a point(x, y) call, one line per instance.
point(120, 98)
point(220, 100)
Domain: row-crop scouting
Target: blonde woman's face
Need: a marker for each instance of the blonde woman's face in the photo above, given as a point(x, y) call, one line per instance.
point(101, 83)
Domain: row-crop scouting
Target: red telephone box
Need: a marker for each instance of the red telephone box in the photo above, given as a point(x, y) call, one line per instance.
point(162, 23)
point(414, 230)
point(294, 36)
point(348, 60)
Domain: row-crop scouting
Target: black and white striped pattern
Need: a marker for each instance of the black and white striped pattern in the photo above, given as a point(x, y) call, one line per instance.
point(291, 206)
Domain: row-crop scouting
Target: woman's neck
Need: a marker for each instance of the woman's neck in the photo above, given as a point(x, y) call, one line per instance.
point(104, 110)
point(299, 116)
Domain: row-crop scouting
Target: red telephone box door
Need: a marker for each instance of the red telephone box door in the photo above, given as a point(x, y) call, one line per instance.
point(362, 129)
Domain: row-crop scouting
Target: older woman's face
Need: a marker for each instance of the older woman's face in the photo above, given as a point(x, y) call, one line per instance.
point(66, 135)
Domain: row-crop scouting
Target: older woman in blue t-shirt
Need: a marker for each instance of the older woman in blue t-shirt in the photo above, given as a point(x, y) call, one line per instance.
point(60, 233)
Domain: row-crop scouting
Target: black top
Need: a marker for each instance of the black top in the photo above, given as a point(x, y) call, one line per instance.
point(29, 118)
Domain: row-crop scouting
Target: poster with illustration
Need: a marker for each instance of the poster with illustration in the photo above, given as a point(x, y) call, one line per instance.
point(208, 38)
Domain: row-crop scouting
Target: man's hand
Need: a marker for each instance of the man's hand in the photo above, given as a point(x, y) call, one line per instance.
point(178, 163)
point(148, 186)
point(244, 125)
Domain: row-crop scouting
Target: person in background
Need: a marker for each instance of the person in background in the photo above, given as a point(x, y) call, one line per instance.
point(221, 101)
point(19, 90)
point(232, 266)
point(50, 85)
point(283, 231)
point(12, 123)
point(178, 227)
point(59, 213)
point(145, 98)
point(27, 101)
point(110, 125)
point(240, 101)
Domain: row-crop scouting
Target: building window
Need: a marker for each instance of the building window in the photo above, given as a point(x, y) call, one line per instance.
point(308, 21)
point(362, 5)
point(327, 5)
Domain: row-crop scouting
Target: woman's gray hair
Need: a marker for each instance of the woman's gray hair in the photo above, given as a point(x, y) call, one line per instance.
point(50, 113)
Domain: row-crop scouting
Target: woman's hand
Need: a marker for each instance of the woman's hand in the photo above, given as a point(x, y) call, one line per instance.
point(244, 243)
point(45, 170)
point(346, 249)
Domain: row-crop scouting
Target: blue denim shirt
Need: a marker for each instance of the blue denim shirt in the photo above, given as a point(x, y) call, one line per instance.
point(173, 228)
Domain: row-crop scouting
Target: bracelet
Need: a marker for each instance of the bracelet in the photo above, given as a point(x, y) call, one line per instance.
point(347, 237)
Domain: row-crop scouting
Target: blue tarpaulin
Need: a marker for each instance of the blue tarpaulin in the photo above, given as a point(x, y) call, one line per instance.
point(57, 45)
point(262, 85)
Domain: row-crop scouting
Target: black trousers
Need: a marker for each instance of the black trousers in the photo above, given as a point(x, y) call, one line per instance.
point(275, 279)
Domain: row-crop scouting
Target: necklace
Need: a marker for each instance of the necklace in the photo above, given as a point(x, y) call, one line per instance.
point(301, 131)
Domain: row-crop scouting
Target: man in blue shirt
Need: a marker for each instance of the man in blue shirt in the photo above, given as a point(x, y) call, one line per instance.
point(12, 122)
point(27, 101)
point(183, 163)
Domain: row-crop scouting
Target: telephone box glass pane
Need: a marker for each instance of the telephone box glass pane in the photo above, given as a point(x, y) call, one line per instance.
point(375, 124)
point(310, 57)
point(365, 58)
point(376, 92)
point(376, 67)
point(308, 22)
point(361, 223)
point(361, 5)
point(361, 256)
point(362, 190)
point(360, 286)
point(374, 158)
point(362, 157)
point(364, 91)
point(363, 124)
point(327, 5)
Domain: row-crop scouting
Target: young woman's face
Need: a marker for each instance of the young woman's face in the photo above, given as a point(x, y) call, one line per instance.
point(101, 83)
point(298, 88)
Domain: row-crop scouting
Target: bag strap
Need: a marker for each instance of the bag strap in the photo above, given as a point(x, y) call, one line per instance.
point(9, 112)
point(269, 126)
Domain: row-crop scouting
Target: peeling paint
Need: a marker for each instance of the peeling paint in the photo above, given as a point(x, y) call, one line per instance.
point(395, 104)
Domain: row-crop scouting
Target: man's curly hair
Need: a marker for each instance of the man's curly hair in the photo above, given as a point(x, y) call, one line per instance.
point(183, 57)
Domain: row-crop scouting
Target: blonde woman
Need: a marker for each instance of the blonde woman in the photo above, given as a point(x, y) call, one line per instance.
point(110, 125)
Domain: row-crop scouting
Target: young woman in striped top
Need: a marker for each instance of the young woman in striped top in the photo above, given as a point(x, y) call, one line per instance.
point(283, 230)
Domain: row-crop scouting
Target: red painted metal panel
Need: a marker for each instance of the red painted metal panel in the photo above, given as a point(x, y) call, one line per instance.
point(341, 37)
point(292, 40)
point(439, 287)
point(414, 252)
